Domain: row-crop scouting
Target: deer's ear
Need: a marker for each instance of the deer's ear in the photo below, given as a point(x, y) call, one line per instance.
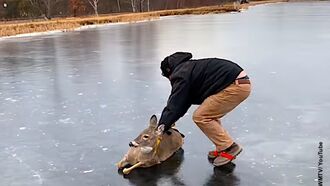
point(153, 121)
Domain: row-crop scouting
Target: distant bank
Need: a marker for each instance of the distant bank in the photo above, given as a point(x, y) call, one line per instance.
point(68, 24)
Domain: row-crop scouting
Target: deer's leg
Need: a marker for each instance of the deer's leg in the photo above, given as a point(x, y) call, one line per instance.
point(128, 170)
point(123, 162)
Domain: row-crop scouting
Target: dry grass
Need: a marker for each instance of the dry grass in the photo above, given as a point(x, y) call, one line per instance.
point(65, 24)
point(68, 24)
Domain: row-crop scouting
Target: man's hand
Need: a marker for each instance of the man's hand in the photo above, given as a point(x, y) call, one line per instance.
point(160, 129)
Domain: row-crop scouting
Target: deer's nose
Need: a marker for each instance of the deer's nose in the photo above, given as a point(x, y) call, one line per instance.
point(133, 144)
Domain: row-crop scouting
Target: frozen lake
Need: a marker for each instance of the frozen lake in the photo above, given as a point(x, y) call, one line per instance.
point(71, 102)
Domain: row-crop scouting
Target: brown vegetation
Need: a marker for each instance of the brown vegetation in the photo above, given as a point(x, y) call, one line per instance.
point(9, 29)
point(70, 23)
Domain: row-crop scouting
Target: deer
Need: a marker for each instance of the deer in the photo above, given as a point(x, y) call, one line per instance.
point(151, 148)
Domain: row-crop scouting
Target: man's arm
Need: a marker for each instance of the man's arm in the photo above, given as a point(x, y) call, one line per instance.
point(178, 103)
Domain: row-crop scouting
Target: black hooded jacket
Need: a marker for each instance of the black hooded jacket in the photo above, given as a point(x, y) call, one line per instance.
point(193, 81)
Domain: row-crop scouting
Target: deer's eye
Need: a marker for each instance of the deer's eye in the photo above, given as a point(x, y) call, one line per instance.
point(145, 137)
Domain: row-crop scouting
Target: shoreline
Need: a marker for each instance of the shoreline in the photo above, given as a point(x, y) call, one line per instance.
point(10, 30)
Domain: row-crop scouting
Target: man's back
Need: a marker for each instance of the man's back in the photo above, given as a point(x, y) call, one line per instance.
point(205, 76)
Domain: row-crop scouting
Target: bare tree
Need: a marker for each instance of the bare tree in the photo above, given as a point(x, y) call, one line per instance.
point(166, 4)
point(141, 5)
point(44, 4)
point(180, 3)
point(77, 7)
point(133, 5)
point(48, 5)
point(94, 4)
point(37, 5)
point(148, 4)
point(118, 4)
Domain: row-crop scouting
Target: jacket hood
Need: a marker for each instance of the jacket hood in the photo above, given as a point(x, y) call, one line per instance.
point(172, 61)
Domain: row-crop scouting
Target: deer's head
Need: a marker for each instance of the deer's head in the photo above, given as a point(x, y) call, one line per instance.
point(148, 140)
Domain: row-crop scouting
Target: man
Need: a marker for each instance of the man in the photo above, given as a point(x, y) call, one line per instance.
point(217, 85)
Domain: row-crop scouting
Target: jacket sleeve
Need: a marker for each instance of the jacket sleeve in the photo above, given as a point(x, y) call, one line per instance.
point(178, 103)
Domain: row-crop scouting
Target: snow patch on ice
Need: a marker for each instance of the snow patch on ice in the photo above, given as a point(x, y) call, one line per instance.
point(22, 128)
point(105, 149)
point(11, 99)
point(82, 157)
point(88, 171)
point(37, 175)
point(103, 106)
point(66, 120)
point(32, 34)
point(106, 130)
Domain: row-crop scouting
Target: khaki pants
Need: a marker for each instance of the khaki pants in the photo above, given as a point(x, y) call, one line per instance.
point(207, 115)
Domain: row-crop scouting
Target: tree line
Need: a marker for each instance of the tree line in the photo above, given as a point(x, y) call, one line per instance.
point(27, 9)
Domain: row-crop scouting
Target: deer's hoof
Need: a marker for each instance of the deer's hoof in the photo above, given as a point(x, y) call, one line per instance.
point(126, 171)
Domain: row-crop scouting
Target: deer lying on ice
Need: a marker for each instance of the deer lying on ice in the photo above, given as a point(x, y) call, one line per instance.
point(151, 148)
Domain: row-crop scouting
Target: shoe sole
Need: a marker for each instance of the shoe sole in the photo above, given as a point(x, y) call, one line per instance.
point(225, 162)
